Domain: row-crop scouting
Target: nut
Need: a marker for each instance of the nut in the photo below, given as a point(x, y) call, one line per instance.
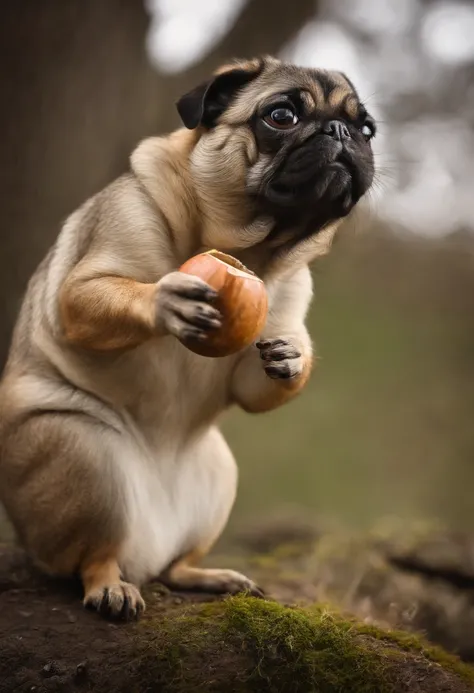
point(241, 299)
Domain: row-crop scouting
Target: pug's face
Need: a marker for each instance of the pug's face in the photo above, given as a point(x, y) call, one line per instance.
point(294, 142)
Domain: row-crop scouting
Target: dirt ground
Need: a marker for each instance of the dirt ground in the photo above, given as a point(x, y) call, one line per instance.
point(48, 642)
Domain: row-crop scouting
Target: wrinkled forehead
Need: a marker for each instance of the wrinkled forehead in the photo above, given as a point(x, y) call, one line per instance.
point(321, 91)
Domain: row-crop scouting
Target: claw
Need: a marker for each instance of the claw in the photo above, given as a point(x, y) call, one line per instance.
point(122, 601)
point(257, 592)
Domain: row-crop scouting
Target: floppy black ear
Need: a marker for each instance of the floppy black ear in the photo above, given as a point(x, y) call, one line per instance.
point(206, 102)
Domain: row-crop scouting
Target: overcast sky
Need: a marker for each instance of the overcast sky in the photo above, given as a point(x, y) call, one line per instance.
point(426, 165)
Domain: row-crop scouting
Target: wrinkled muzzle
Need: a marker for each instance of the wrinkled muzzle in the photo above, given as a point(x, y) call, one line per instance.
point(322, 175)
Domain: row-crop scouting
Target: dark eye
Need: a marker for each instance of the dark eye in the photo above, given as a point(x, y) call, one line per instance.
point(368, 130)
point(281, 118)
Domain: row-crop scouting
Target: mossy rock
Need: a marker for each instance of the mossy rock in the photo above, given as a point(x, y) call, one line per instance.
point(191, 642)
point(246, 644)
point(418, 577)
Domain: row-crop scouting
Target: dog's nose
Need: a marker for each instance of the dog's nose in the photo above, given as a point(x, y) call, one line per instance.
point(337, 130)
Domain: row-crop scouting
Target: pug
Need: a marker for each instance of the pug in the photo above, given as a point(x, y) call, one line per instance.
point(112, 465)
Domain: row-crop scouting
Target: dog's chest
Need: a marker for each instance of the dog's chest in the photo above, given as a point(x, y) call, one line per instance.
point(176, 388)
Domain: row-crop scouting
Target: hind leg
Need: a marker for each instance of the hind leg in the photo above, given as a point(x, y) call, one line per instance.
point(185, 575)
point(62, 488)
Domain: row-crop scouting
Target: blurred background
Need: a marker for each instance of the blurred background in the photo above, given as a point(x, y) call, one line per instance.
point(386, 425)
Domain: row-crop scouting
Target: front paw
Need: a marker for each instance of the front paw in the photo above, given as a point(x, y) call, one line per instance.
point(121, 601)
point(282, 359)
point(184, 307)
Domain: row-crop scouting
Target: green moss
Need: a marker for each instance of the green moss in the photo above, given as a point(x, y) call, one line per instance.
point(290, 550)
point(247, 645)
point(261, 646)
point(410, 642)
point(301, 650)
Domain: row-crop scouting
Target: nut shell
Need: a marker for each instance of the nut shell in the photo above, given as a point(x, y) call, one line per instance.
point(241, 299)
